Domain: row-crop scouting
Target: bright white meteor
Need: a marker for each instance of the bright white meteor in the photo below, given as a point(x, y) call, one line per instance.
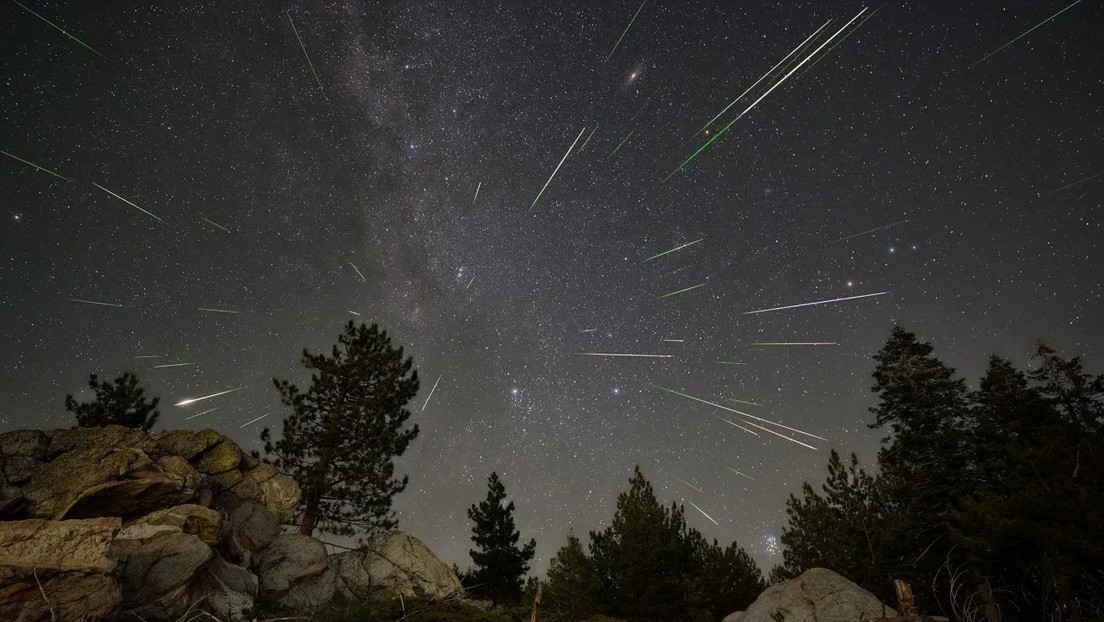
point(818, 302)
point(431, 393)
point(703, 513)
point(557, 169)
point(254, 420)
point(648, 356)
point(744, 414)
point(689, 484)
point(146, 212)
point(205, 397)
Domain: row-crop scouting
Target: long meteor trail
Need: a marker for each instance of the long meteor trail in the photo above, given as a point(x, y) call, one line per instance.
point(627, 30)
point(765, 94)
point(749, 416)
point(172, 365)
point(211, 222)
point(618, 147)
point(205, 397)
point(36, 167)
point(158, 218)
point(689, 484)
point(210, 310)
point(875, 229)
point(431, 393)
point(703, 513)
point(626, 355)
point(200, 414)
point(742, 474)
point(59, 29)
point(359, 273)
point(677, 248)
point(254, 420)
point(93, 302)
point(1080, 181)
point(1029, 31)
point(682, 290)
point(795, 343)
point(534, 204)
point(818, 302)
point(305, 55)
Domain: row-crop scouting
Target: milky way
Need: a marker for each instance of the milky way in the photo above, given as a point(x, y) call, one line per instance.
point(379, 163)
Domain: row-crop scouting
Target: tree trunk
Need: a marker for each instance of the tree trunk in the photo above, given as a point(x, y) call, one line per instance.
point(309, 520)
point(989, 606)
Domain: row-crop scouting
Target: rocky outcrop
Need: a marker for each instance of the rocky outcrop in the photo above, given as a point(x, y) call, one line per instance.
point(817, 594)
point(394, 564)
point(158, 573)
point(295, 572)
point(252, 528)
point(57, 570)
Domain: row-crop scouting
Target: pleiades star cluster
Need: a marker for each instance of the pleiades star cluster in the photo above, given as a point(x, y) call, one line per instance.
point(195, 191)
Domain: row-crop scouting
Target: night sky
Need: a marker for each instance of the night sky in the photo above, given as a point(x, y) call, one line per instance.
point(272, 189)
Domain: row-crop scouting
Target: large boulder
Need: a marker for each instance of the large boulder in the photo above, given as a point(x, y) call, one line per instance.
point(252, 528)
point(111, 436)
point(57, 570)
point(227, 590)
point(394, 564)
point(817, 594)
point(190, 519)
point(295, 572)
point(29, 443)
point(159, 574)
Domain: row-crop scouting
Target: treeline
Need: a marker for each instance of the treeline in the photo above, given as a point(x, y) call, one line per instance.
point(647, 565)
point(989, 501)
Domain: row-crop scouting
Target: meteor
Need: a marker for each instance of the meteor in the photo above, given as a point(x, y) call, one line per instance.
point(682, 290)
point(1024, 34)
point(795, 343)
point(353, 312)
point(359, 273)
point(732, 399)
point(703, 513)
point(254, 420)
point(431, 393)
point(689, 484)
point(305, 55)
point(149, 356)
point(477, 187)
point(673, 340)
point(93, 302)
point(730, 363)
point(209, 410)
point(588, 330)
point(205, 397)
point(59, 29)
point(158, 218)
point(744, 414)
point(677, 248)
point(630, 26)
point(855, 235)
point(534, 204)
point(618, 147)
point(583, 146)
point(742, 474)
point(469, 283)
point(764, 95)
point(172, 365)
point(732, 423)
point(818, 302)
point(844, 38)
point(209, 221)
point(627, 355)
point(35, 166)
point(217, 310)
point(1081, 181)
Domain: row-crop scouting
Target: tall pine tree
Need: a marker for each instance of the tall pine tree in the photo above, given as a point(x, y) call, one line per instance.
point(500, 564)
point(121, 402)
point(572, 588)
point(340, 440)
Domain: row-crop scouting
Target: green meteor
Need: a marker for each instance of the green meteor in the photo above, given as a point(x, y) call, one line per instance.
point(148, 213)
point(626, 30)
point(682, 290)
point(305, 55)
point(36, 167)
point(618, 148)
point(209, 221)
point(583, 146)
point(359, 273)
point(59, 29)
point(677, 248)
point(1029, 31)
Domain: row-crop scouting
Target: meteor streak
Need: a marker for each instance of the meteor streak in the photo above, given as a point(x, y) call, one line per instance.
point(682, 290)
point(254, 420)
point(732, 399)
point(622, 354)
point(469, 283)
point(305, 55)
point(588, 330)
point(534, 204)
point(128, 202)
point(855, 235)
point(209, 221)
point(630, 26)
point(583, 146)
point(677, 248)
point(36, 167)
point(703, 513)
point(743, 474)
point(844, 38)
point(431, 393)
point(673, 340)
point(217, 310)
point(359, 273)
point(1024, 34)
point(730, 363)
point(744, 414)
point(93, 302)
point(353, 312)
point(689, 484)
point(761, 97)
point(795, 343)
point(1081, 181)
point(209, 410)
point(618, 148)
point(172, 365)
point(149, 356)
point(818, 302)
point(58, 28)
point(477, 187)
point(205, 397)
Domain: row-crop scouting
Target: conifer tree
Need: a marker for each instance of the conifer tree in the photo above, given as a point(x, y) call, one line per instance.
point(119, 403)
point(729, 579)
point(500, 564)
point(572, 588)
point(340, 440)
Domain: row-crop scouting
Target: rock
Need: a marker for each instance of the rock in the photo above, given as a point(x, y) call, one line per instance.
point(226, 479)
point(261, 473)
point(102, 481)
point(734, 617)
point(189, 518)
point(228, 590)
point(159, 574)
point(223, 457)
point(817, 594)
point(252, 528)
point(182, 468)
point(68, 559)
point(280, 494)
point(29, 443)
point(396, 564)
point(112, 436)
point(20, 469)
point(185, 443)
point(294, 572)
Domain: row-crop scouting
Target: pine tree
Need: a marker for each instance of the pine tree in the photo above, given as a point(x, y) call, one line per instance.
point(572, 588)
point(340, 440)
point(729, 579)
point(499, 563)
point(118, 403)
